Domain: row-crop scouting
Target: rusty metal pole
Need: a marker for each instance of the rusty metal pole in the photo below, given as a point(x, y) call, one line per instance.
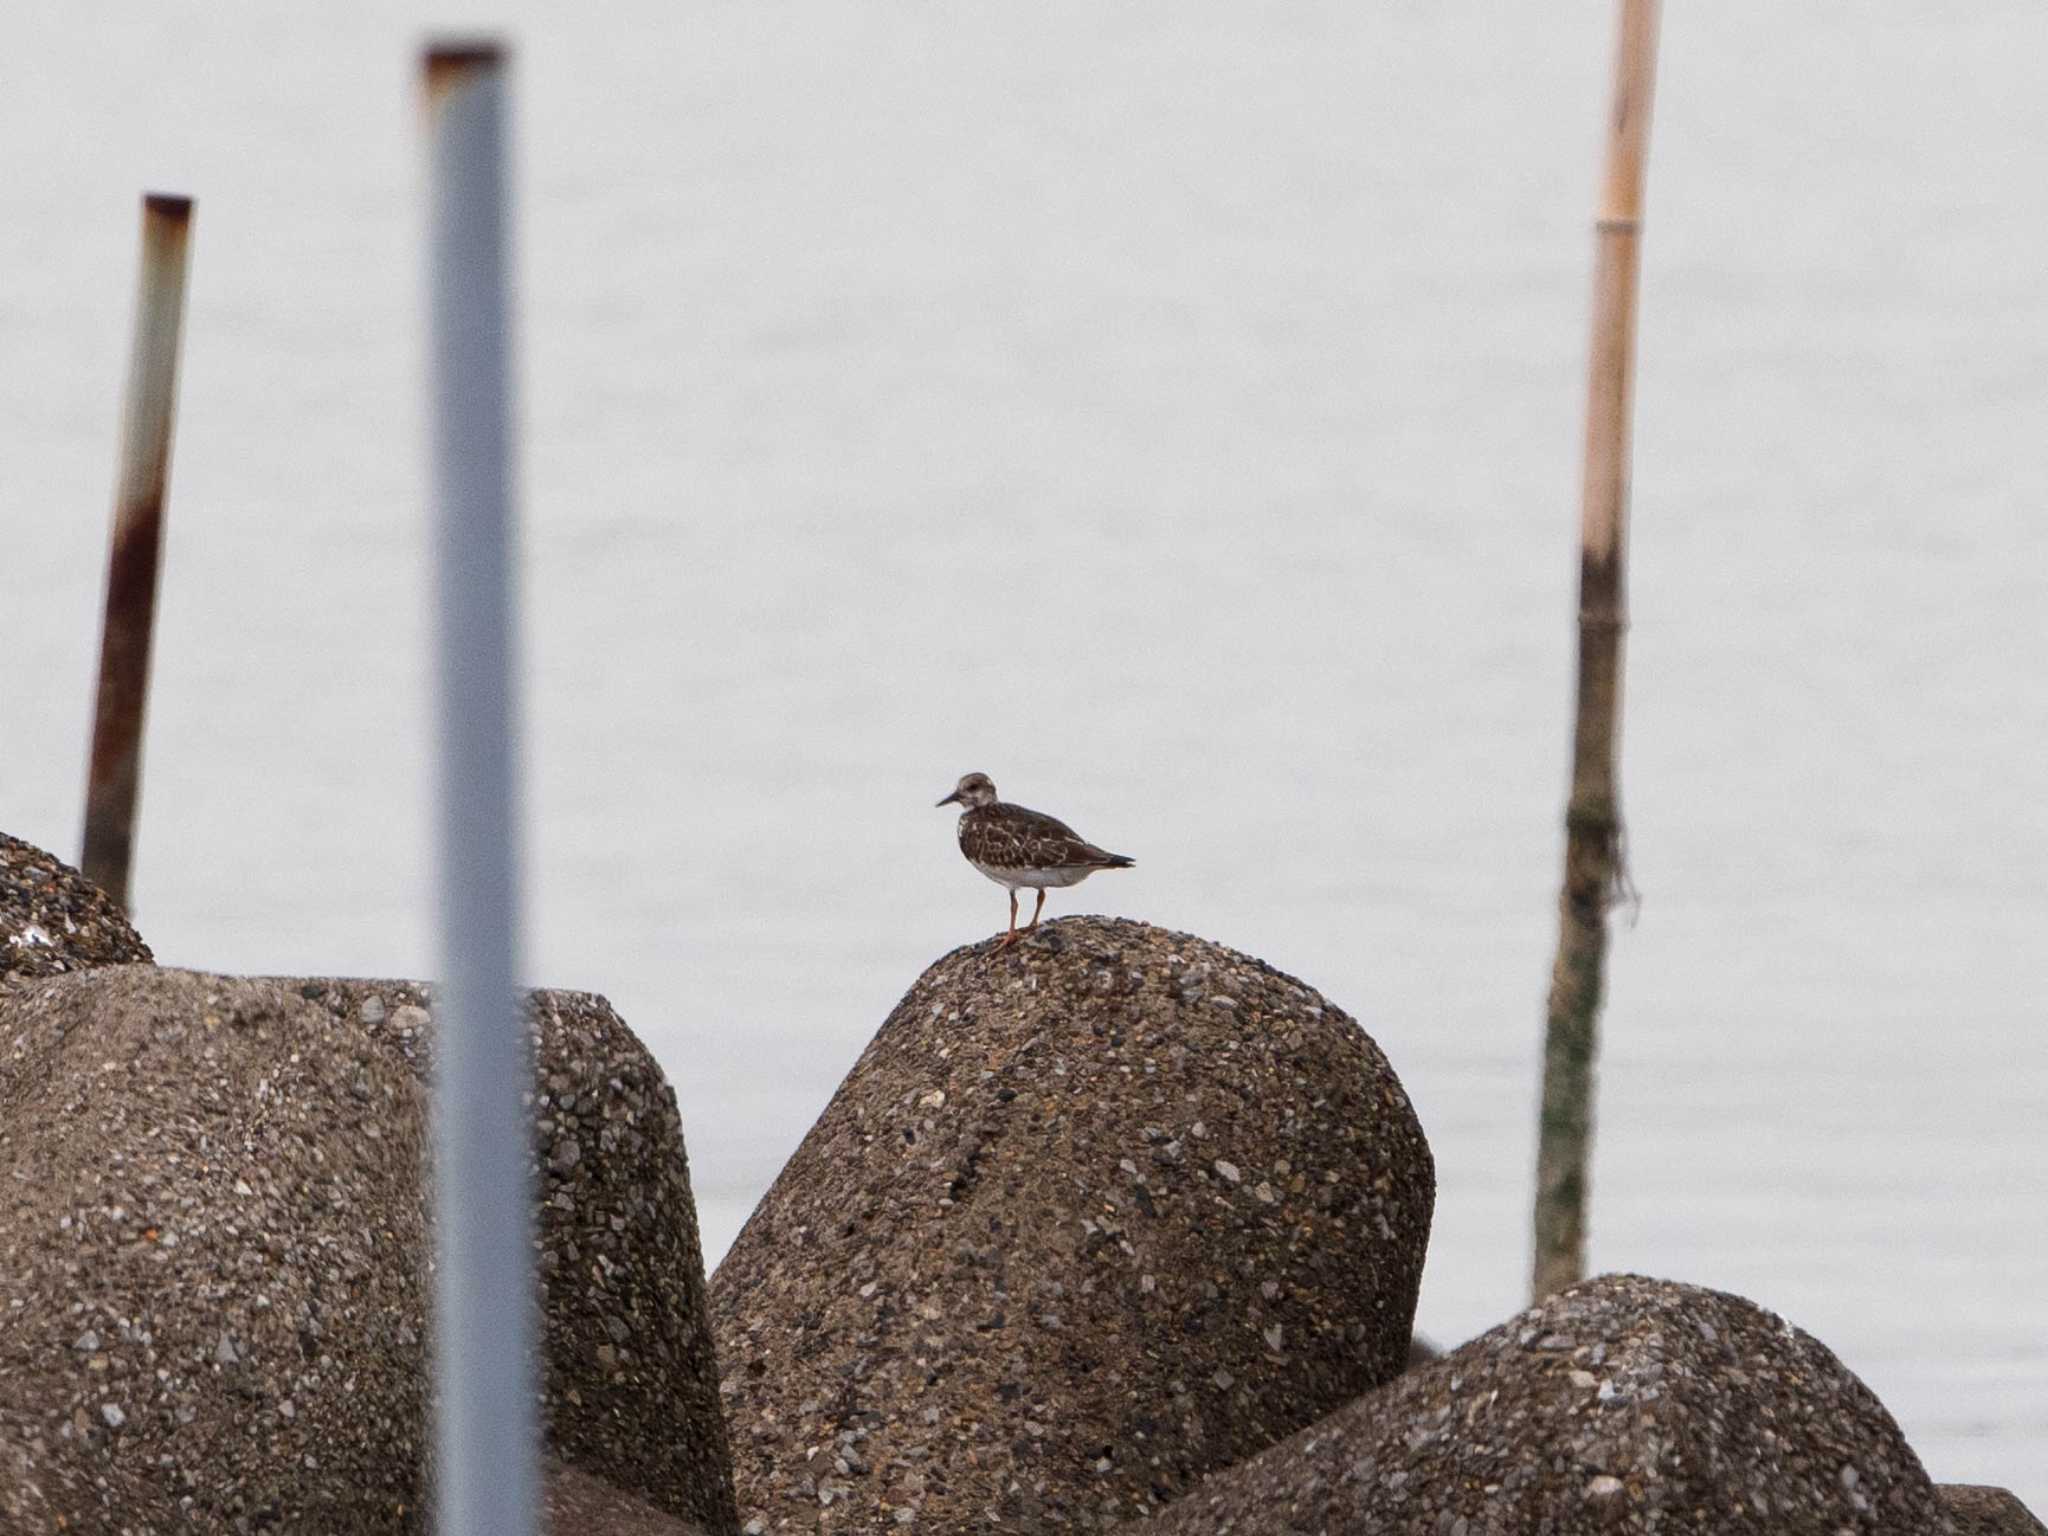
point(486, 1433)
point(115, 776)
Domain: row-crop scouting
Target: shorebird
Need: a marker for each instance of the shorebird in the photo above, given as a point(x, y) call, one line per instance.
point(1017, 848)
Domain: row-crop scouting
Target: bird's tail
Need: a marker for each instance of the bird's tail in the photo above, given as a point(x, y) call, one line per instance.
point(1117, 861)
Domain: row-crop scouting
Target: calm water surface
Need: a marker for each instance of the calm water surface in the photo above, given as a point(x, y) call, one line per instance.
point(1173, 411)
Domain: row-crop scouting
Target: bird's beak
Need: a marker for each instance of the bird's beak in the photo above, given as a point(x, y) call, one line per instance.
point(952, 799)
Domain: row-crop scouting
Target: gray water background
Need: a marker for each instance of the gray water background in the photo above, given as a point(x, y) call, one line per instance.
point(1172, 410)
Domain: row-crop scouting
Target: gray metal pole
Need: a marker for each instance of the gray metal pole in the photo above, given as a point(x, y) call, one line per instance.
point(486, 1433)
point(114, 777)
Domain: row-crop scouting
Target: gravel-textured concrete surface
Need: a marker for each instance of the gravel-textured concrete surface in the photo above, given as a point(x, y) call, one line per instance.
point(52, 919)
point(581, 1505)
point(1981, 1511)
point(212, 1257)
point(208, 1255)
point(1088, 1219)
point(1622, 1404)
point(632, 1378)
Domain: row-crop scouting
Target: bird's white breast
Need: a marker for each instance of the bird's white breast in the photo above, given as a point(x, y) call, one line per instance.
point(1034, 879)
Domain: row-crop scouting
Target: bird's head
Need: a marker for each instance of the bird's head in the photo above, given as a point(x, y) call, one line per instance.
point(973, 791)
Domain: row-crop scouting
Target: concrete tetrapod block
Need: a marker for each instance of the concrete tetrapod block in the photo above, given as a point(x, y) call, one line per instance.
point(53, 919)
point(632, 1379)
point(1981, 1511)
point(215, 1258)
point(578, 1504)
point(1089, 1218)
point(1620, 1405)
point(210, 1252)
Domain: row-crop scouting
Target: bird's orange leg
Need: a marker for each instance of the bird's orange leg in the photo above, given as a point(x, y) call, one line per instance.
point(1011, 937)
point(1036, 910)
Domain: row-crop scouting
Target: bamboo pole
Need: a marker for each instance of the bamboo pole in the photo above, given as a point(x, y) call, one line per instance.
point(485, 1314)
point(114, 777)
point(1594, 870)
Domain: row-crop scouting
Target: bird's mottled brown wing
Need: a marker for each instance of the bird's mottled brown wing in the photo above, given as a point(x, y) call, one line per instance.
point(1011, 837)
